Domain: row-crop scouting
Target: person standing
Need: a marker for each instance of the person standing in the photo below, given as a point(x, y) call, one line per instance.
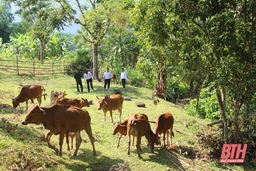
point(88, 79)
point(78, 79)
point(107, 77)
point(123, 78)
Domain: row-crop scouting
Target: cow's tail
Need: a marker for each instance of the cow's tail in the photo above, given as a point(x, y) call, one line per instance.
point(44, 94)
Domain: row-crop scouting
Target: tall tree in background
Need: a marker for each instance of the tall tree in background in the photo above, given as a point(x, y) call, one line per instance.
point(6, 18)
point(151, 25)
point(44, 17)
point(94, 19)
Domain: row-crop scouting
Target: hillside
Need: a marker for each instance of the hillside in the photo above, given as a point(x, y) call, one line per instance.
point(24, 147)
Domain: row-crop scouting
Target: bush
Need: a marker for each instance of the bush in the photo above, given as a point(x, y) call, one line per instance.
point(208, 106)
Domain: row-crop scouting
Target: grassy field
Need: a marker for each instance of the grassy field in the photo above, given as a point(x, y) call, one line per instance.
point(24, 148)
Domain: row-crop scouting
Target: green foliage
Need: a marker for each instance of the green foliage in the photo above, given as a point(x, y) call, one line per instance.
point(208, 106)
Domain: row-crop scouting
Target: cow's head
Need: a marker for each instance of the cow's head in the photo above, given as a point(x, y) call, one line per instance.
point(102, 103)
point(154, 139)
point(116, 126)
point(15, 103)
point(34, 116)
point(85, 103)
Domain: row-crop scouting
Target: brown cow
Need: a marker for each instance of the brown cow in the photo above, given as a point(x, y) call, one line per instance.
point(138, 125)
point(29, 92)
point(109, 103)
point(122, 129)
point(57, 94)
point(72, 101)
point(60, 119)
point(68, 101)
point(164, 123)
point(114, 78)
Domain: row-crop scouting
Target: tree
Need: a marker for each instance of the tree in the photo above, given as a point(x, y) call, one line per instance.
point(94, 19)
point(44, 18)
point(229, 31)
point(6, 18)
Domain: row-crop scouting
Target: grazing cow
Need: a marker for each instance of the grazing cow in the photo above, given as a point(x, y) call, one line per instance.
point(138, 125)
point(60, 119)
point(122, 129)
point(57, 94)
point(164, 123)
point(72, 101)
point(114, 78)
point(109, 103)
point(29, 92)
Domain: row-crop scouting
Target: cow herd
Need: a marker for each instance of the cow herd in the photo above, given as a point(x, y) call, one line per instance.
point(65, 117)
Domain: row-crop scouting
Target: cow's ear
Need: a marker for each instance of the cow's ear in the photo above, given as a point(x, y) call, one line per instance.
point(105, 101)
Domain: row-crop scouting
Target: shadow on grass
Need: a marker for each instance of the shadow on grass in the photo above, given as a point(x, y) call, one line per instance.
point(96, 162)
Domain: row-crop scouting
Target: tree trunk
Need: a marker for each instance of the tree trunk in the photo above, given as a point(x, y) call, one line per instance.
point(235, 120)
point(160, 87)
point(221, 96)
point(95, 62)
point(41, 55)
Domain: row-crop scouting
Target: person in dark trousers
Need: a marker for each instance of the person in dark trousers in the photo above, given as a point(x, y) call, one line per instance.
point(88, 79)
point(78, 79)
point(107, 77)
point(123, 78)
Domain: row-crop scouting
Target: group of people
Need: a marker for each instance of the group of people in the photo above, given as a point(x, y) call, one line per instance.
point(107, 79)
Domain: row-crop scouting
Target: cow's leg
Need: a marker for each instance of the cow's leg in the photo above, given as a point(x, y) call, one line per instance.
point(138, 146)
point(120, 114)
point(105, 116)
point(39, 99)
point(78, 142)
point(61, 142)
point(133, 140)
point(164, 137)
point(88, 130)
point(129, 140)
point(67, 141)
point(119, 140)
point(171, 133)
point(111, 115)
point(72, 140)
point(26, 104)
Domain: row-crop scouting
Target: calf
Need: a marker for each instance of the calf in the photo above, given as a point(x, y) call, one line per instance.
point(55, 95)
point(29, 92)
point(164, 123)
point(68, 134)
point(60, 119)
point(138, 125)
point(72, 101)
point(109, 103)
point(122, 129)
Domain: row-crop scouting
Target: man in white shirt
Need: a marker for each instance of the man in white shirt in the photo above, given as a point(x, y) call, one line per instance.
point(107, 77)
point(88, 79)
point(123, 78)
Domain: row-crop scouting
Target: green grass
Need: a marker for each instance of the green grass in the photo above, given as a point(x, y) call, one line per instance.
point(22, 147)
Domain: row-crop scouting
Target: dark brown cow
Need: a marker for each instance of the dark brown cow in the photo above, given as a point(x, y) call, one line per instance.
point(109, 103)
point(60, 119)
point(138, 125)
point(72, 101)
point(164, 123)
point(57, 94)
point(122, 129)
point(29, 92)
